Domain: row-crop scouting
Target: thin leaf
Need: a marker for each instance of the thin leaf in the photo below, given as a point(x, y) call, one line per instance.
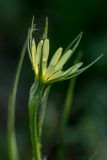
point(76, 42)
point(30, 31)
point(65, 114)
point(94, 155)
point(88, 66)
point(29, 47)
point(12, 145)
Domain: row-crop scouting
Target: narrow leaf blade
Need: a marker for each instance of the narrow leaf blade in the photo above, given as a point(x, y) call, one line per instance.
point(12, 144)
point(75, 42)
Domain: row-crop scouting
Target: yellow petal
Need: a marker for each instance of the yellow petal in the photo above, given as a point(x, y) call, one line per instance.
point(49, 72)
point(45, 55)
point(56, 75)
point(56, 57)
point(63, 59)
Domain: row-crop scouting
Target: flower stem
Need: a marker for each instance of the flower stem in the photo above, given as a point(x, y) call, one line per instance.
point(65, 115)
point(34, 100)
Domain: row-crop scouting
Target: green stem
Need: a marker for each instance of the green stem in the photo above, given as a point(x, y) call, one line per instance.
point(34, 100)
point(66, 111)
point(69, 97)
point(65, 115)
point(68, 103)
point(11, 138)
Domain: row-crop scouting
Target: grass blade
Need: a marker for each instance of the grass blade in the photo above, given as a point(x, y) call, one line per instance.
point(11, 138)
point(66, 111)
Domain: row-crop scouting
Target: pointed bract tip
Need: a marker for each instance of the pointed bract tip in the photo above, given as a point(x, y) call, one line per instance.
point(46, 29)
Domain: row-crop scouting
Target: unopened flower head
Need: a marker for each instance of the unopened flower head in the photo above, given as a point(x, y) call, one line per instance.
point(50, 72)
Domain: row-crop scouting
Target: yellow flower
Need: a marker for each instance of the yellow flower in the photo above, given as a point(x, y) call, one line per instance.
point(53, 72)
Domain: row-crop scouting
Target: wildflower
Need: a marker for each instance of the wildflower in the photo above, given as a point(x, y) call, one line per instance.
point(48, 74)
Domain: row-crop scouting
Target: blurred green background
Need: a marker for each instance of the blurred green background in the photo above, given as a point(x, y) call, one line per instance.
point(86, 131)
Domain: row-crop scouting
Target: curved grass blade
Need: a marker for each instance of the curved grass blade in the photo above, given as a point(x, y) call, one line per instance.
point(94, 155)
point(11, 138)
point(66, 111)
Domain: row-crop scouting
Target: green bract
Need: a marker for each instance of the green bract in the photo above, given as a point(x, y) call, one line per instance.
point(39, 53)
